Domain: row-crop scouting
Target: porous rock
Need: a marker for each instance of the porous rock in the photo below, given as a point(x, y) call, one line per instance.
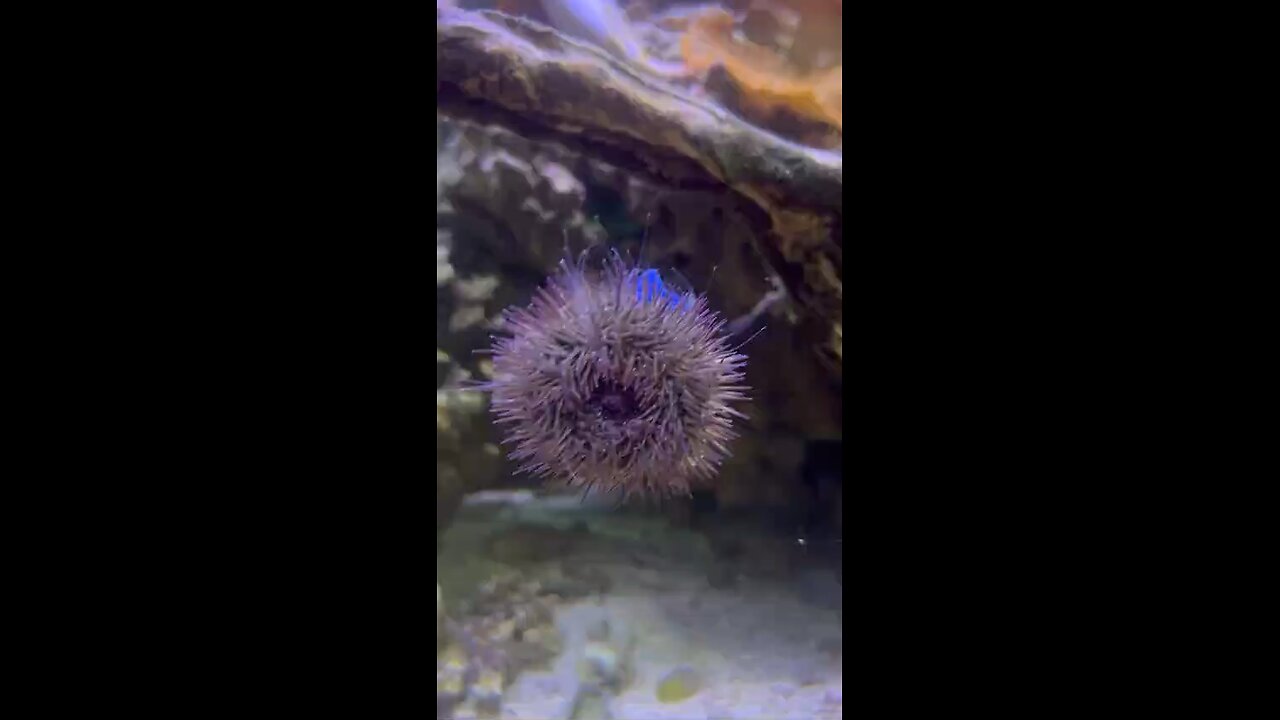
point(524, 75)
point(546, 143)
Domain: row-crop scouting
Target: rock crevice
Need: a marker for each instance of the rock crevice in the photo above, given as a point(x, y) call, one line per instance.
point(511, 71)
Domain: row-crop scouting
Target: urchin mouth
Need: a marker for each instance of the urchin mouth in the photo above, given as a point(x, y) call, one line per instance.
point(614, 402)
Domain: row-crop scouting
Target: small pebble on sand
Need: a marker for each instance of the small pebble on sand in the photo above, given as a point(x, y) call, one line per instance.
point(680, 684)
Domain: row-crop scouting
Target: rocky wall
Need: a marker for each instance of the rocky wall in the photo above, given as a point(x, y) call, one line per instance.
point(544, 144)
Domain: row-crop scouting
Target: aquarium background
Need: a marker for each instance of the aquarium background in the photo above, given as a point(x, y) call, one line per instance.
point(559, 605)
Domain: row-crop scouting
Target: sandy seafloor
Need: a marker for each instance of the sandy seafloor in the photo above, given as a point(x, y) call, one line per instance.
point(765, 646)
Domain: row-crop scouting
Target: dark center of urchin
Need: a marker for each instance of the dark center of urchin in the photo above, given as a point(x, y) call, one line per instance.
point(614, 402)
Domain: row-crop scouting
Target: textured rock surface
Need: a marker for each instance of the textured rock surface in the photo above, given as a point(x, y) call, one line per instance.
point(502, 629)
point(526, 76)
point(544, 143)
point(467, 457)
point(767, 648)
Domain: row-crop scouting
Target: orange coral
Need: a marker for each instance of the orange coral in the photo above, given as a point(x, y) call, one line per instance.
point(766, 79)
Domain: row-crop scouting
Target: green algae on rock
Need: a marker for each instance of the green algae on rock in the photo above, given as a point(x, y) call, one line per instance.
point(680, 684)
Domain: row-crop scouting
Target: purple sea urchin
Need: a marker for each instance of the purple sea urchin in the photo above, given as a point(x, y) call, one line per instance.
point(614, 381)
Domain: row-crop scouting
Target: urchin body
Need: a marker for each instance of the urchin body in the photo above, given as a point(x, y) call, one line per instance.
point(609, 380)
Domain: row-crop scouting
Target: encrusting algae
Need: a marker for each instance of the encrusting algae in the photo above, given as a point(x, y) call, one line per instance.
point(798, 71)
point(767, 80)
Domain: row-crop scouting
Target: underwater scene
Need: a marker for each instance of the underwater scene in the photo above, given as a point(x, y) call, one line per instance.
point(639, 359)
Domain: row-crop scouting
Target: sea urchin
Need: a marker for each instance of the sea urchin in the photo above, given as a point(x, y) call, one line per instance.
point(613, 381)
